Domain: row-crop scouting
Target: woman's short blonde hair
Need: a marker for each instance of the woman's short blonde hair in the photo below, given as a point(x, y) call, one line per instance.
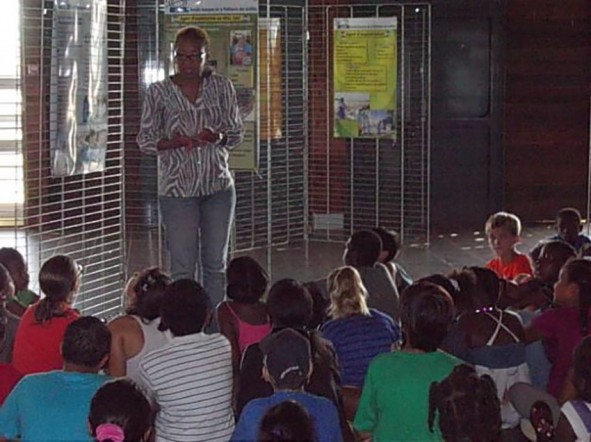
point(347, 293)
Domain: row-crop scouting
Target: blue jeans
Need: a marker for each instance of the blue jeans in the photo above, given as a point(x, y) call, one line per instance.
point(198, 232)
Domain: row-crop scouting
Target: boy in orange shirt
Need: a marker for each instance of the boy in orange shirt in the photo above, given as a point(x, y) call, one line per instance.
point(502, 230)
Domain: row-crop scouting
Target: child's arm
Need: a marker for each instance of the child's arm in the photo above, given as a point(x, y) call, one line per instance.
point(532, 334)
point(15, 307)
point(228, 328)
point(564, 430)
point(117, 366)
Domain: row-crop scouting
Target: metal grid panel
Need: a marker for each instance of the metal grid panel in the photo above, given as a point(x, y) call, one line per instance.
point(143, 66)
point(78, 215)
point(271, 202)
point(361, 183)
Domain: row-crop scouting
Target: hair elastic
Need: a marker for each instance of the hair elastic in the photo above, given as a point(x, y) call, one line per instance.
point(485, 310)
point(110, 432)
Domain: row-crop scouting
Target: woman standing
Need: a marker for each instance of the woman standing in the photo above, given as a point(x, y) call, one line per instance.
point(190, 121)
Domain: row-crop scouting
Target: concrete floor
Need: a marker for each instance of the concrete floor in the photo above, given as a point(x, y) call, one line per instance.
point(316, 259)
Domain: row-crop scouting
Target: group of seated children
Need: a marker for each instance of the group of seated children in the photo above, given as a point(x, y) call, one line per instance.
point(480, 354)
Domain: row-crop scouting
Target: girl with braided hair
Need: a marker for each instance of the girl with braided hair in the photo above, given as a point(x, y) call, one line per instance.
point(563, 327)
point(42, 326)
point(492, 336)
point(466, 406)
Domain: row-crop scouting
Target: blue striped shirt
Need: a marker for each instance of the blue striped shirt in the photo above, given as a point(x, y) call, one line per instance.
point(358, 339)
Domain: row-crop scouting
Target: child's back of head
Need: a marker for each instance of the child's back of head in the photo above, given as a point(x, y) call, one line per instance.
point(186, 309)
point(59, 279)
point(390, 244)
point(347, 293)
point(287, 421)
point(478, 287)
point(149, 292)
point(247, 281)
point(426, 313)
point(553, 255)
point(86, 343)
point(289, 304)
point(119, 411)
point(362, 249)
point(466, 405)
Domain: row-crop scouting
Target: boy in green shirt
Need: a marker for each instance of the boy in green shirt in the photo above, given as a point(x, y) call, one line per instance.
point(394, 404)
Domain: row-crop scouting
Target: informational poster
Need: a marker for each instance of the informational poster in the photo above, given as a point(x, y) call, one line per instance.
point(78, 87)
point(232, 52)
point(365, 77)
point(217, 7)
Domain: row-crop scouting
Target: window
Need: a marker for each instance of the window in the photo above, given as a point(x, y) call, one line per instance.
point(11, 155)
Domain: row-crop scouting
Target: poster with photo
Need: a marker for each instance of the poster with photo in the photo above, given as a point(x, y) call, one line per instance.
point(365, 76)
point(241, 47)
point(78, 89)
point(232, 52)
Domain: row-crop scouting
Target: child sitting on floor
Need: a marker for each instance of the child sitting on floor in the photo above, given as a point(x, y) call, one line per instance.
point(54, 406)
point(17, 267)
point(503, 230)
point(390, 249)
point(287, 366)
point(466, 405)
point(42, 327)
point(568, 227)
point(357, 332)
point(575, 419)
point(563, 327)
point(394, 403)
point(10, 321)
point(243, 318)
point(287, 421)
point(137, 333)
point(120, 412)
point(8, 374)
point(362, 251)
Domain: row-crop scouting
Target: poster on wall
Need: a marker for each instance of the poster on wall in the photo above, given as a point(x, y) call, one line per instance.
point(78, 87)
point(365, 77)
point(211, 7)
point(232, 52)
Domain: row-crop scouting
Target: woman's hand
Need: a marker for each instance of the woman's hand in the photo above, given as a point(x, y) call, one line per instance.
point(209, 136)
point(176, 142)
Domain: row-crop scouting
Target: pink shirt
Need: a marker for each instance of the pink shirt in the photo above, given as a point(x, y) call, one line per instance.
point(249, 333)
point(562, 332)
point(520, 264)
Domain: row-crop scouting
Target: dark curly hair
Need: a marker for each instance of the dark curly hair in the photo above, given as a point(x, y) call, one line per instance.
point(467, 406)
point(578, 271)
point(149, 290)
point(247, 280)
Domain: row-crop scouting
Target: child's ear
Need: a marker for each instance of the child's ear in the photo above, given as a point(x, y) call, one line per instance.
point(265, 374)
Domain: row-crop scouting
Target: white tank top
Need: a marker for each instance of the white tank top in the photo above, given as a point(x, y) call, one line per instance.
point(153, 339)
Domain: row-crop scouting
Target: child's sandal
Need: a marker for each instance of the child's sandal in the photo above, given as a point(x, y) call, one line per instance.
point(542, 421)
